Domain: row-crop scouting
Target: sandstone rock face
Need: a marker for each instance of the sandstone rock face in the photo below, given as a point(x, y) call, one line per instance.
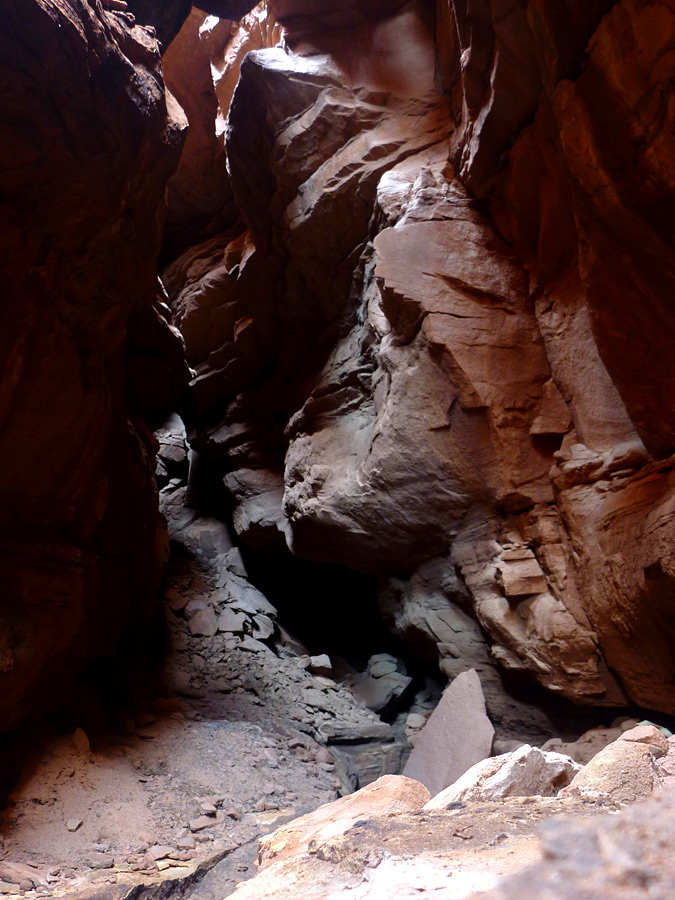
point(602, 67)
point(88, 141)
point(439, 352)
point(200, 199)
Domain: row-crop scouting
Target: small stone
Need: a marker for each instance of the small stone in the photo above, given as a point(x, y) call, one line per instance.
point(195, 605)
point(100, 861)
point(314, 698)
point(382, 657)
point(204, 623)
point(271, 757)
point(175, 600)
point(320, 665)
point(200, 823)
point(249, 600)
point(382, 667)
point(186, 843)
point(304, 755)
point(253, 646)
point(160, 851)
point(73, 824)
point(232, 813)
point(208, 809)
point(415, 720)
point(263, 627)
point(81, 742)
point(148, 838)
point(7, 887)
point(232, 622)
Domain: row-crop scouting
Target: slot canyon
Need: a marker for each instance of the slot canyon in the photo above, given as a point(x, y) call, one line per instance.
point(337, 464)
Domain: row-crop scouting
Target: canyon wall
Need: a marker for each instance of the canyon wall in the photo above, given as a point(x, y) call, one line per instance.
point(435, 347)
point(421, 258)
point(88, 140)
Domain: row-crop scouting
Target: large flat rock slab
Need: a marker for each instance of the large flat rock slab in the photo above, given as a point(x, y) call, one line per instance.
point(457, 735)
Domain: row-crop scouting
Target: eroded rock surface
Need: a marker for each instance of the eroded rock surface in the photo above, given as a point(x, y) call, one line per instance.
point(413, 362)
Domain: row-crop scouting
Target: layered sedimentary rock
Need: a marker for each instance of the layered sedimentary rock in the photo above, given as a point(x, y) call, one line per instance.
point(439, 350)
point(87, 144)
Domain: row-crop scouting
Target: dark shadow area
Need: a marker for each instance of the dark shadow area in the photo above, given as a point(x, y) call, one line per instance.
point(566, 719)
point(328, 608)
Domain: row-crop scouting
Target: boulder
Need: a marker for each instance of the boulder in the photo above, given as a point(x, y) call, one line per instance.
point(457, 735)
point(650, 735)
point(513, 848)
point(623, 772)
point(526, 772)
point(389, 795)
point(204, 623)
